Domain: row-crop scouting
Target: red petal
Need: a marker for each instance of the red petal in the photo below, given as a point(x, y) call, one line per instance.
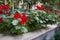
point(1, 12)
point(17, 15)
point(40, 7)
point(6, 7)
point(22, 22)
point(48, 10)
point(1, 7)
point(1, 20)
point(24, 17)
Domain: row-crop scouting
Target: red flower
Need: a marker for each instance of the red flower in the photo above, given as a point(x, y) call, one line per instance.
point(1, 12)
point(55, 11)
point(7, 13)
point(6, 7)
point(17, 15)
point(1, 7)
point(41, 7)
point(48, 10)
point(22, 22)
point(1, 20)
point(24, 18)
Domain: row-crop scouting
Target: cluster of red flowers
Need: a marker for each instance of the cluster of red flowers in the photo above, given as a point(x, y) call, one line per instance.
point(21, 17)
point(41, 7)
point(4, 7)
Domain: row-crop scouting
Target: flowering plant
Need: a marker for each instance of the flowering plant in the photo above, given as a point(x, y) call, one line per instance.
point(21, 17)
point(4, 9)
point(23, 22)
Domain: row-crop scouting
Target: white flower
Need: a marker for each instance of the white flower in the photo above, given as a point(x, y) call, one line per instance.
point(15, 22)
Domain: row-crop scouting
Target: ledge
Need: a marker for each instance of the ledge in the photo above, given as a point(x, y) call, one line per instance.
point(30, 35)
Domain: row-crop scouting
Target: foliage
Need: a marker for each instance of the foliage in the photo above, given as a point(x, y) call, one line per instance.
point(26, 20)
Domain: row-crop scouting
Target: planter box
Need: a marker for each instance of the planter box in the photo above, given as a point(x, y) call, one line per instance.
point(37, 35)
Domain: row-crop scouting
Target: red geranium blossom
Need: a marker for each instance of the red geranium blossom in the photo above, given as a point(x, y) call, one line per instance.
point(17, 15)
point(24, 18)
point(6, 7)
point(48, 10)
point(1, 20)
point(22, 22)
point(41, 7)
point(1, 7)
point(1, 12)
point(55, 11)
